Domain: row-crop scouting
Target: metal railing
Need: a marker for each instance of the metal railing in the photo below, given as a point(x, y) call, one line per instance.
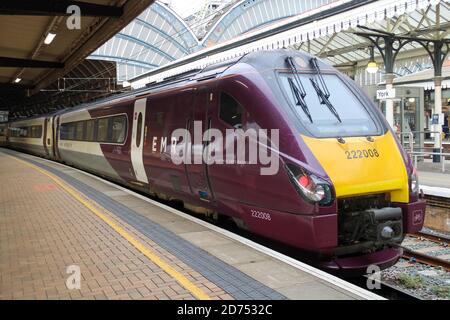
point(416, 154)
point(410, 140)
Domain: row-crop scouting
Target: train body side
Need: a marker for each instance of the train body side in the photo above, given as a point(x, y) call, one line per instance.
point(28, 136)
point(129, 140)
point(3, 135)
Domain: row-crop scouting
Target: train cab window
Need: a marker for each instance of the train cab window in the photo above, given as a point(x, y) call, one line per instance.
point(90, 126)
point(119, 128)
point(79, 131)
point(139, 130)
point(230, 111)
point(356, 118)
point(102, 129)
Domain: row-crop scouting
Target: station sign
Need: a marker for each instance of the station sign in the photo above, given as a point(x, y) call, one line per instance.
point(438, 118)
point(385, 94)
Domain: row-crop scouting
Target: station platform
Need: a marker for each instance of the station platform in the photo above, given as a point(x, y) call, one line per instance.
point(434, 179)
point(55, 219)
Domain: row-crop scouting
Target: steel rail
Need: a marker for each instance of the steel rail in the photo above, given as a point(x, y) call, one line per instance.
point(425, 259)
point(441, 239)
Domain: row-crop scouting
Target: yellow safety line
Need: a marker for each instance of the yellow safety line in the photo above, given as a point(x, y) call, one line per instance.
point(196, 291)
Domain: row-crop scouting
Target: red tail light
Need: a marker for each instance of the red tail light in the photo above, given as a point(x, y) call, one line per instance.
point(304, 181)
point(311, 188)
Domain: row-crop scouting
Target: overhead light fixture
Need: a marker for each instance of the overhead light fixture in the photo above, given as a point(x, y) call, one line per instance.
point(49, 38)
point(17, 80)
point(372, 66)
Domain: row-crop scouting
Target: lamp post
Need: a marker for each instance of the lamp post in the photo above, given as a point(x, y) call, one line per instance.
point(389, 45)
point(372, 66)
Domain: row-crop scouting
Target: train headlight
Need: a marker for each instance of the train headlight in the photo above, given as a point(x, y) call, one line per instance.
point(414, 182)
point(311, 188)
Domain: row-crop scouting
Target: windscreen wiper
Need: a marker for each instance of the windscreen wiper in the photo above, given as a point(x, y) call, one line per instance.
point(297, 88)
point(323, 93)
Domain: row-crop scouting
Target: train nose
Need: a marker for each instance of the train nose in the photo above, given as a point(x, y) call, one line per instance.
point(361, 166)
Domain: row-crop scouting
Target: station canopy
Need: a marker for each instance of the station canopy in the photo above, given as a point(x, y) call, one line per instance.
point(150, 42)
point(43, 47)
point(324, 28)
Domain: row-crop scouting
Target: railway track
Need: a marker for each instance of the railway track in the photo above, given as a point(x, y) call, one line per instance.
point(424, 258)
point(432, 237)
point(437, 201)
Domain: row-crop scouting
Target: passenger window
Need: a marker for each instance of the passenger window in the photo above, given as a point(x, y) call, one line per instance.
point(38, 131)
point(70, 131)
point(79, 131)
point(23, 132)
point(90, 124)
point(119, 128)
point(102, 129)
point(139, 130)
point(230, 111)
point(63, 135)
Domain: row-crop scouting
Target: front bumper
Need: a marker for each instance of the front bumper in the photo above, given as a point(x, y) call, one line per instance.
point(318, 233)
point(358, 265)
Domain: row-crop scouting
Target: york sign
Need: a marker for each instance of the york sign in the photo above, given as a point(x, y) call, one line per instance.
point(385, 94)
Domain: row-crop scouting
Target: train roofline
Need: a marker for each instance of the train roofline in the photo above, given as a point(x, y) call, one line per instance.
point(212, 71)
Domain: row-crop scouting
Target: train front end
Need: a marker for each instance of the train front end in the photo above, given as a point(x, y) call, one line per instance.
point(359, 172)
point(376, 197)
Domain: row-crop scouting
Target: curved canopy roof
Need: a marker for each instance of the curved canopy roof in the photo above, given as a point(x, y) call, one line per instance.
point(247, 15)
point(159, 36)
point(156, 37)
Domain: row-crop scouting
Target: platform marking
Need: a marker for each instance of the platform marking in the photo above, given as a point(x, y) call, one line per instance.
point(186, 283)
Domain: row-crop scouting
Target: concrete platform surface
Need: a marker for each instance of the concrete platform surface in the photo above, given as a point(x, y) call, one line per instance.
point(65, 234)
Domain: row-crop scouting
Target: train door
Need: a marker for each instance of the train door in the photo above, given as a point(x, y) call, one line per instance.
point(47, 137)
point(7, 134)
point(55, 131)
point(44, 137)
point(137, 142)
point(197, 170)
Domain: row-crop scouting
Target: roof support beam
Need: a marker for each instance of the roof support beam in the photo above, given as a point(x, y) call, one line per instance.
point(102, 31)
point(57, 8)
point(28, 63)
point(15, 86)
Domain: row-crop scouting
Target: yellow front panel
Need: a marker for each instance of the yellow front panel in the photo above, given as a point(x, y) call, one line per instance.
point(359, 167)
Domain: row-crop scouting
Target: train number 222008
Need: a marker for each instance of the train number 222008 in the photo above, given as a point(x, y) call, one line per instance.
point(359, 154)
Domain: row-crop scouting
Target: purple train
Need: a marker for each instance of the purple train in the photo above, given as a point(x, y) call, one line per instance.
point(340, 185)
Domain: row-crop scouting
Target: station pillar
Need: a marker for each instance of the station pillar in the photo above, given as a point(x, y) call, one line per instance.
point(389, 77)
point(437, 128)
